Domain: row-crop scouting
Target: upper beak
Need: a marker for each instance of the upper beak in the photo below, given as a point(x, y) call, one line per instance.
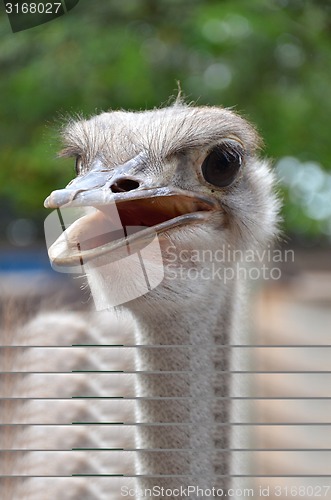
point(75, 193)
point(137, 203)
point(97, 187)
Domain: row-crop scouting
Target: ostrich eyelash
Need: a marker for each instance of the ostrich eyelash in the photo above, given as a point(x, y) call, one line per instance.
point(69, 152)
point(79, 165)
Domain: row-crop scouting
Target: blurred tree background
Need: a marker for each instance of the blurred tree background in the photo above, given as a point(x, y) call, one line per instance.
point(270, 60)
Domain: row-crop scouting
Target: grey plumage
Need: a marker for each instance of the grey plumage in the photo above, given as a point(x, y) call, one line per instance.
point(169, 146)
point(161, 152)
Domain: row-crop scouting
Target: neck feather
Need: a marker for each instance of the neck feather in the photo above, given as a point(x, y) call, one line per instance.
point(185, 347)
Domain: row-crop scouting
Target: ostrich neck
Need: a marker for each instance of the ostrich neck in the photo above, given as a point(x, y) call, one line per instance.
point(194, 339)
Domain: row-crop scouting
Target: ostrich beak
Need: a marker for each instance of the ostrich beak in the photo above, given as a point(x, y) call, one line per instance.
point(128, 210)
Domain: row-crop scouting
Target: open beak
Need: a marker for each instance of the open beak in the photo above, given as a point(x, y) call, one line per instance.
point(119, 217)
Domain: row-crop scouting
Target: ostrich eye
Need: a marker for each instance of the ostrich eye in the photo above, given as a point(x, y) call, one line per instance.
point(221, 166)
point(79, 165)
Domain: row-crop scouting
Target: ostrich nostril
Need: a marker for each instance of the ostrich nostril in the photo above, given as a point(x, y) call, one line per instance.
point(122, 185)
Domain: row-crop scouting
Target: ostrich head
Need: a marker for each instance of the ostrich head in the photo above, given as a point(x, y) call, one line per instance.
point(189, 175)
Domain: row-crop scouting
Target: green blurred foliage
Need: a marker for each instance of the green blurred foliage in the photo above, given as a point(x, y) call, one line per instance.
point(268, 59)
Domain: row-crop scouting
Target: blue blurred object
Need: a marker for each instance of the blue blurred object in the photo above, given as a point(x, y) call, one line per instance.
point(34, 260)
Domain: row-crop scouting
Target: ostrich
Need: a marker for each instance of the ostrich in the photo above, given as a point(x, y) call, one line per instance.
point(192, 177)
point(36, 435)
